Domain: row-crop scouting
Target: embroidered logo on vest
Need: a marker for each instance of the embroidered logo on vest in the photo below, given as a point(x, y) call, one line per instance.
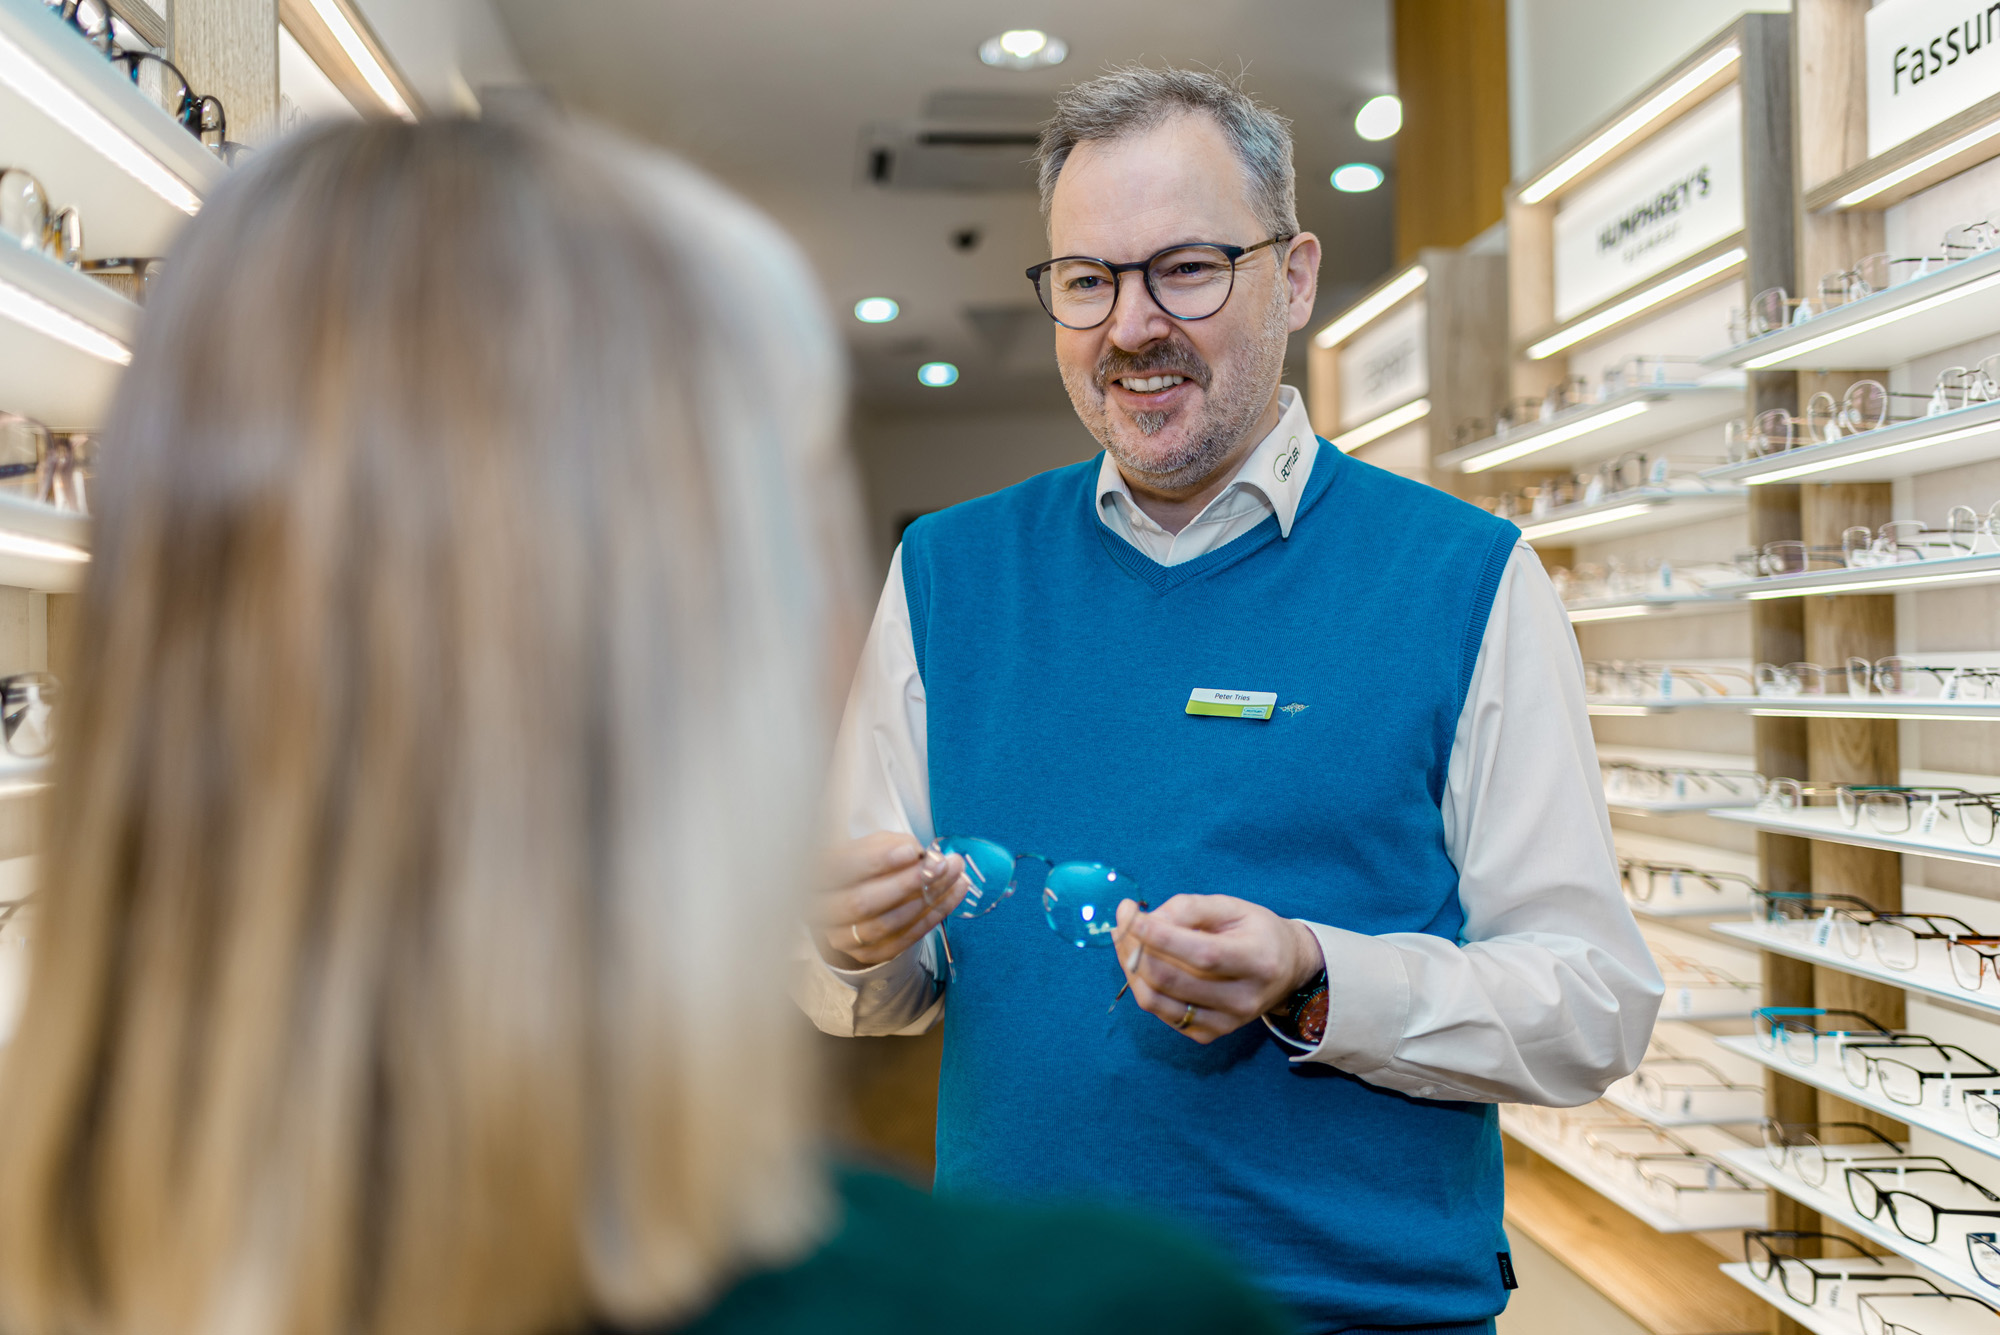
point(1283, 464)
point(1293, 709)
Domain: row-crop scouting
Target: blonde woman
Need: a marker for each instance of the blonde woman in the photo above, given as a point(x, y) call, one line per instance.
point(449, 701)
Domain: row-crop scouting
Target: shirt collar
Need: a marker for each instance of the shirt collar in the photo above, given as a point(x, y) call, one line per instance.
point(1276, 470)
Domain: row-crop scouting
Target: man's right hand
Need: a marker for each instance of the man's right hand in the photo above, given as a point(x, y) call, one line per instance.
point(884, 896)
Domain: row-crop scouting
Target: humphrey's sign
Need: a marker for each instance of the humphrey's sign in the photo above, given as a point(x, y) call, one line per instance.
point(1928, 60)
point(1672, 198)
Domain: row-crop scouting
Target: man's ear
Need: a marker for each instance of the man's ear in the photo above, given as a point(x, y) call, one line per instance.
point(1302, 272)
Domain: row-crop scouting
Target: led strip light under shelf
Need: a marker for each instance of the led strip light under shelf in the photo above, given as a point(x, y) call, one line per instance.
point(36, 84)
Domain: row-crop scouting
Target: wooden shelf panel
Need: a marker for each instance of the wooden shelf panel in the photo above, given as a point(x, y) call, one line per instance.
point(1668, 1283)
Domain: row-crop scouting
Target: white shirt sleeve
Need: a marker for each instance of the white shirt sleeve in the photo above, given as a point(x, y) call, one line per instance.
point(880, 781)
point(1552, 994)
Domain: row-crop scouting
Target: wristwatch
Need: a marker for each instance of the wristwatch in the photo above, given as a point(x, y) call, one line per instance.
point(1301, 1016)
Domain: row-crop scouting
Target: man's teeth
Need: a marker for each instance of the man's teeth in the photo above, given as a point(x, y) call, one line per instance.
point(1150, 384)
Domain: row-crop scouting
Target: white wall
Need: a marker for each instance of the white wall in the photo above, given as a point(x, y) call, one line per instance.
point(1570, 62)
point(914, 463)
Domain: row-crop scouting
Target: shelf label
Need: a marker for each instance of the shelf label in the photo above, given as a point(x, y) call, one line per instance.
point(1669, 200)
point(1928, 60)
point(1384, 366)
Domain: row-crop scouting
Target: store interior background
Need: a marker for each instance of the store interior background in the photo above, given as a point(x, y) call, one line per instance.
point(783, 98)
point(780, 98)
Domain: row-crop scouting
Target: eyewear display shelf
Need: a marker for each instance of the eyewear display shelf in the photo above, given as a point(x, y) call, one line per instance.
point(92, 138)
point(1621, 1097)
point(1720, 1211)
point(1931, 977)
point(1898, 325)
point(1648, 604)
point(1948, 1122)
point(1940, 572)
point(1824, 823)
point(1818, 1320)
point(1634, 510)
point(1836, 1209)
point(1591, 432)
point(1691, 905)
point(64, 338)
point(1887, 454)
point(1805, 706)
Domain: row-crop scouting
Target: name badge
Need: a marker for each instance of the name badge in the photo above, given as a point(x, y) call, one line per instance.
point(1232, 704)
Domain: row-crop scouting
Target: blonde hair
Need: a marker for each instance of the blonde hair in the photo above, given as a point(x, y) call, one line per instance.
point(440, 758)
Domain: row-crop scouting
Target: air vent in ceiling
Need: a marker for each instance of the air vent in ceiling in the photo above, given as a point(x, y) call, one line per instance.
point(965, 141)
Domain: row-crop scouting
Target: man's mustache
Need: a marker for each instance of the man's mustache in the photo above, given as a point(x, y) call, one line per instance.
point(1160, 359)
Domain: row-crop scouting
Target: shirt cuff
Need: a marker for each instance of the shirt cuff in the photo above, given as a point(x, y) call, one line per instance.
point(1367, 1002)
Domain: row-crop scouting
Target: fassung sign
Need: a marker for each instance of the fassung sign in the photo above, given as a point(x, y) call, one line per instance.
point(1928, 60)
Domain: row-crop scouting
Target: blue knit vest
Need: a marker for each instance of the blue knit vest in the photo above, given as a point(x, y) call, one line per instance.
point(1057, 662)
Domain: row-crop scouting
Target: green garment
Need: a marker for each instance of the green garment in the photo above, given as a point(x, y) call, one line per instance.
point(902, 1262)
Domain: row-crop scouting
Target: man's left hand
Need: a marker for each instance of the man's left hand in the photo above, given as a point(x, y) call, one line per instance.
point(1209, 964)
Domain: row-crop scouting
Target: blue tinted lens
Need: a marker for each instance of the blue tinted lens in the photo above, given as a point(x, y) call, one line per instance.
point(988, 867)
point(1081, 900)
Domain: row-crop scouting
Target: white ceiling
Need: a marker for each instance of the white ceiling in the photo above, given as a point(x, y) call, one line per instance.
point(773, 96)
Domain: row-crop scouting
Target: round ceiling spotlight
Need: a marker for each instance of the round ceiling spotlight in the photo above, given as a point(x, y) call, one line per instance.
point(1379, 117)
point(876, 310)
point(1023, 49)
point(937, 374)
point(1357, 178)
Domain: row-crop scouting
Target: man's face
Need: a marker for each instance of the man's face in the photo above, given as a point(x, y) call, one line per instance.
point(1126, 199)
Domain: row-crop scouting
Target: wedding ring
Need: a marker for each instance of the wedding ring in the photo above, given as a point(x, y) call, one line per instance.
point(855, 928)
point(1187, 1019)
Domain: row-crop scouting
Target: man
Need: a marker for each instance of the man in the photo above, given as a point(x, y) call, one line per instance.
point(1394, 867)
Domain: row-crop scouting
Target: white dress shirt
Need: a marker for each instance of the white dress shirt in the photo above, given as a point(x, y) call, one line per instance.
point(1551, 993)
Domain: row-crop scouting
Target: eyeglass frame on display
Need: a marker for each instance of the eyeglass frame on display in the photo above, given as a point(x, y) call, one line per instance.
point(190, 114)
point(1788, 1151)
point(1961, 799)
point(1663, 675)
point(58, 233)
point(1675, 873)
point(1865, 1306)
point(1751, 328)
point(1874, 1065)
point(1773, 1263)
point(45, 690)
point(1646, 1075)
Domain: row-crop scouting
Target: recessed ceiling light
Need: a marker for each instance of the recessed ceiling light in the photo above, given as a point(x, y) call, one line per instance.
point(1357, 177)
point(937, 374)
point(876, 310)
point(1023, 49)
point(1379, 117)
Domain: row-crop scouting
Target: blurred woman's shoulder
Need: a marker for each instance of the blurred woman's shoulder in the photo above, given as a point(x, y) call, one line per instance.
point(901, 1261)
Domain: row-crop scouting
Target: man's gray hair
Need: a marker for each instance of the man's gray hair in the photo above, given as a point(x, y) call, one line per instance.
point(1134, 98)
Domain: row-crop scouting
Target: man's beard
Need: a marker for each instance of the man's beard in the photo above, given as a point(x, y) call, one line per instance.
point(1230, 404)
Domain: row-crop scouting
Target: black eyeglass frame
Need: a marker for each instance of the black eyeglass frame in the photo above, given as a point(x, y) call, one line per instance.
point(1773, 1262)
point(1234, 254)
point(191, 113)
